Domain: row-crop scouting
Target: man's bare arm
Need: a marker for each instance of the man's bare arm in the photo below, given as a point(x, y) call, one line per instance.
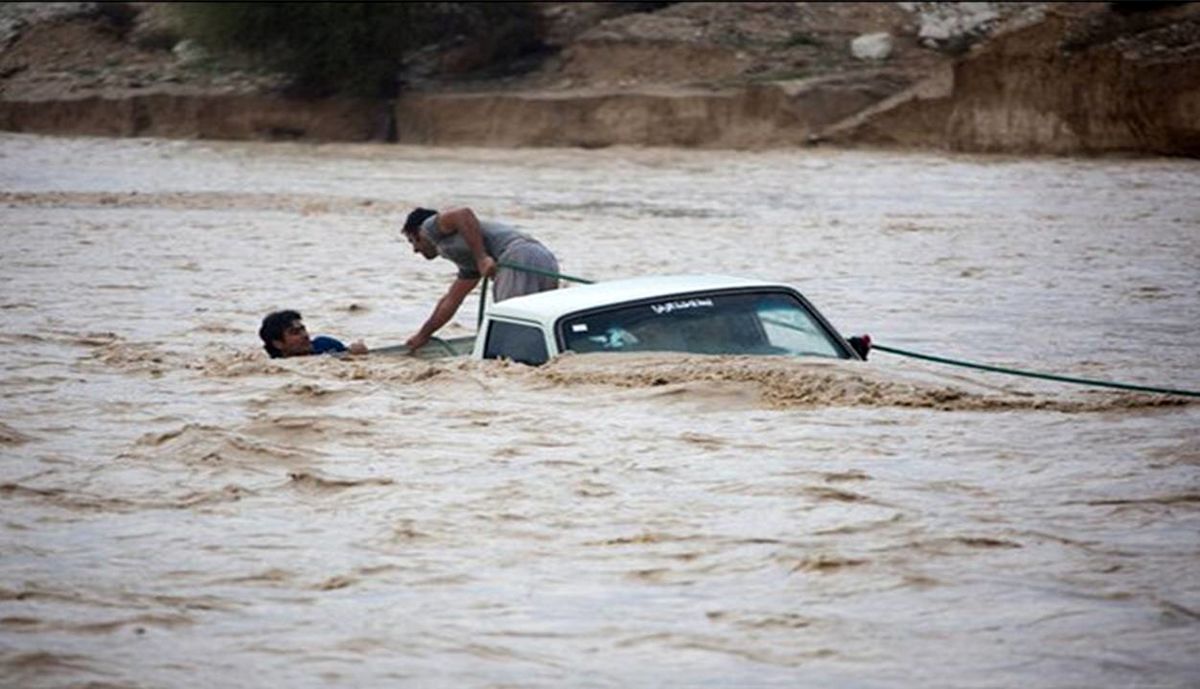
point(464, 222)
point(445, 309)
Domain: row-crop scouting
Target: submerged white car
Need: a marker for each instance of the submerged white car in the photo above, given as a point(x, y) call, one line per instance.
point(699, 314)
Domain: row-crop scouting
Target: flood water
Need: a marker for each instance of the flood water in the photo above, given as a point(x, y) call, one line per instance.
point(178, 510)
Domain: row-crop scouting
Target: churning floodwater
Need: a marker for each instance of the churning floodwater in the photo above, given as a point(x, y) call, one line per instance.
point(179, 510)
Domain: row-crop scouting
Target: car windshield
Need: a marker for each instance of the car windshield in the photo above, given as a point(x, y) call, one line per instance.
point(732, 323)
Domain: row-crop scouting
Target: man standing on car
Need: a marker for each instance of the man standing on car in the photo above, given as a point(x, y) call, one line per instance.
point(476, 247)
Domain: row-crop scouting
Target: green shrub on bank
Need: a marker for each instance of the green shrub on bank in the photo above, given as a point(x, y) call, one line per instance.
point(349, 47)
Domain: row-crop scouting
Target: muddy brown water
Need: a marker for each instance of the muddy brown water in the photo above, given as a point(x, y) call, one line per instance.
point(180, 511)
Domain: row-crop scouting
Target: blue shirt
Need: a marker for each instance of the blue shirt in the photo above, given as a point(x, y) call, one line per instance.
point(323, 344)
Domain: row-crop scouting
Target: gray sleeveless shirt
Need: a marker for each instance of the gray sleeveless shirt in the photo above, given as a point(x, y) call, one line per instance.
point(497, 238)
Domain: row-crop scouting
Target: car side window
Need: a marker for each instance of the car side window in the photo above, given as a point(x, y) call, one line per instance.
point(521, 343)
point(794, 331)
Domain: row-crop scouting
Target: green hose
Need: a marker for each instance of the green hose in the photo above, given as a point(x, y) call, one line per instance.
point(543, 273)
point(1033, 374)
point(482, 304)
point(523, 269)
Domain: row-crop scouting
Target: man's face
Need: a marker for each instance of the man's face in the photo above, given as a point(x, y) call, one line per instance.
point(295, 340)
point(421, 245)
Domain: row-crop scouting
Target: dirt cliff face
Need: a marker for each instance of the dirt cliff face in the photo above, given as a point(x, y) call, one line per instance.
point(1061, 79)
point(755, 117)
point(1062, 86)
point(719, 75)
point(1086, 79)
point(722, 43)
point(187, 116)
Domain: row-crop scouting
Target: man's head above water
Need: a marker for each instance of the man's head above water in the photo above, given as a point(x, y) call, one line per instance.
point(412, 232)
point(283, 334)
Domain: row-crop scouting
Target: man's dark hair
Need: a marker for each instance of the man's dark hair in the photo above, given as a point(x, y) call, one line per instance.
point(413, 222)
point(272, 329)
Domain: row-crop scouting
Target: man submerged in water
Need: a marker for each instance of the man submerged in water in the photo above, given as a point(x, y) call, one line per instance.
point(283, 335)
point(477, 247)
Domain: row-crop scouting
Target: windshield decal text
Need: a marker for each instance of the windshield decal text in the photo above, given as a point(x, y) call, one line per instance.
point(669, 306)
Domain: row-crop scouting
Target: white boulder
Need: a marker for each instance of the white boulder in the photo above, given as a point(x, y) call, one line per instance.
point(872, 46)
point(189, 52)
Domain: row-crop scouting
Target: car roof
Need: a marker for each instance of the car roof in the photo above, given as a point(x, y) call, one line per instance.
point(546, 307)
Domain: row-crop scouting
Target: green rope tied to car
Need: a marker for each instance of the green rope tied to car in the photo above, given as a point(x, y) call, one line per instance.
point(524, 269)
point(894, 350)
point(1034, 374)
point(543, 273)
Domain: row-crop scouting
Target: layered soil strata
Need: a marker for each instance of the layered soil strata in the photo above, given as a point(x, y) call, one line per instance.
point(1073, 83)
point(781, 113)
point(188, 116)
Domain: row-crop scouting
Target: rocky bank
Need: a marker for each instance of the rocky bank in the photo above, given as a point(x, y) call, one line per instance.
point(1088, 78)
